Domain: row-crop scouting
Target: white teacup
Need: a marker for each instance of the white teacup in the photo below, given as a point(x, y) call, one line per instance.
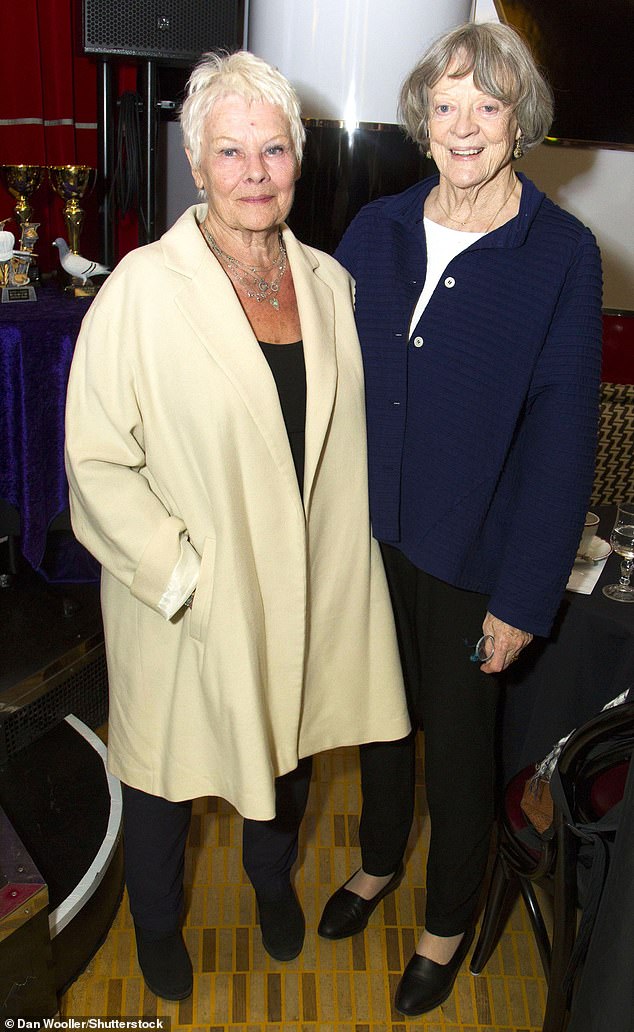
point(589, 530)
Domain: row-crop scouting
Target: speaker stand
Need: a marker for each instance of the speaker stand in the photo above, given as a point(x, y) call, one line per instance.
point(106, 161)
point(151, 132)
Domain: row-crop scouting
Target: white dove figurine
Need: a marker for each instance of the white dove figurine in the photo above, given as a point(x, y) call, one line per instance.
point(75, 265)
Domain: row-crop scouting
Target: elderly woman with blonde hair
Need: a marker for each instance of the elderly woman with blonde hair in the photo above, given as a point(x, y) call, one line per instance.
point(478, 305)
point(216, 454)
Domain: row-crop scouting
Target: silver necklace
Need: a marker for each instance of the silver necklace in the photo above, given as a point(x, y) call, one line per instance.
point(249, 277)
point(488, 227)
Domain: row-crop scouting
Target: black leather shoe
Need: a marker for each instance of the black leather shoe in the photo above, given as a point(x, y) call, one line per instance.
point(426, 984)
point(282, 925)
point(165, 964)
point(347, 913)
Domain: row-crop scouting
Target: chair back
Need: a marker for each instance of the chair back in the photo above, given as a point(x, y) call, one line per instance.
point(596, 755)
point(600, 749)
point(602, 745)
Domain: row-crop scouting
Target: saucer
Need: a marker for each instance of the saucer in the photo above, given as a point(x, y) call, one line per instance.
point(598, 550)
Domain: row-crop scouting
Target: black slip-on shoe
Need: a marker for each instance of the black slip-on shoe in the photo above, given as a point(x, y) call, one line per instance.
point(425, 984)
point(347, 913)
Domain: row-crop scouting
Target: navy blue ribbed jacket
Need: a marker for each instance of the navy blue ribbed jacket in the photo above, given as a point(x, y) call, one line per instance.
point(482, 424)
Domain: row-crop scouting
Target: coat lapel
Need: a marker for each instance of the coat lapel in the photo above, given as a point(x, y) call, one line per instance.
point(209, 304)
point(317, 316)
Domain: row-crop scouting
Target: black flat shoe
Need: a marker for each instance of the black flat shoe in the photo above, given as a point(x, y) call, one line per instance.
point(165, 964)
point(426, 984)
point(282, 926)
point(347, 913)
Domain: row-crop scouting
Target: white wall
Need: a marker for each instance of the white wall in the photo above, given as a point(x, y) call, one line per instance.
point(597, 186)
point(175, 186)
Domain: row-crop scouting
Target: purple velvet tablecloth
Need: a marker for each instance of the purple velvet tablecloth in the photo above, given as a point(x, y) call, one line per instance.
point(36, 346)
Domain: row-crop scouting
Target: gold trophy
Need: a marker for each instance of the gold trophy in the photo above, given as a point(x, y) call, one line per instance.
point(71, 183)
point(21, 181)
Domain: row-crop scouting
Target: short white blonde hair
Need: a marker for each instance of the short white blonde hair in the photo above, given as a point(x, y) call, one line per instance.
point(244, 75)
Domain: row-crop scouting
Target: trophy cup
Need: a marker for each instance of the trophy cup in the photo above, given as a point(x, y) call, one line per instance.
point(21, 181)
point(71, 183)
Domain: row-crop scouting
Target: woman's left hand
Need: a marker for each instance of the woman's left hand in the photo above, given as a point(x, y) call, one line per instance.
point(508, 643)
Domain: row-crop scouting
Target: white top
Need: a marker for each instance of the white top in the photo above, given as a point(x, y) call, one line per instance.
point(443, 245)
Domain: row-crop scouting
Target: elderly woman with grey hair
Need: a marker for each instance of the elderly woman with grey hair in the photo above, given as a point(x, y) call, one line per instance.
point(478, 305)
point(216, 454)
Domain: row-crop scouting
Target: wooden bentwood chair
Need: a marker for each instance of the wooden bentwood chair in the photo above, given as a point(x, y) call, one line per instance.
point(589, 780)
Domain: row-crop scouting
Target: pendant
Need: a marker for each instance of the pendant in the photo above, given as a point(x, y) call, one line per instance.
point(275, 302)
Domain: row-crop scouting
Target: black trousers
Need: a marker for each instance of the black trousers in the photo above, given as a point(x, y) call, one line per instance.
point(155, 835)
point(456, 705)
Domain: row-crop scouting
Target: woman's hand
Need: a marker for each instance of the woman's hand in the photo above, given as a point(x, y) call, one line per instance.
point(508, 643)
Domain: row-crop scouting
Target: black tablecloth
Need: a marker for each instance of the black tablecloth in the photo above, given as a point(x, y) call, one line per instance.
point(558, 684)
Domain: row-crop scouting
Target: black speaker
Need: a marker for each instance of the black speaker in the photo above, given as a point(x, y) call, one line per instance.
point(166, 31)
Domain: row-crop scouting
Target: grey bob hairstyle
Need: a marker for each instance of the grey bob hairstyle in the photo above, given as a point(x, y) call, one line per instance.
point(502, 66)
point(244, 75)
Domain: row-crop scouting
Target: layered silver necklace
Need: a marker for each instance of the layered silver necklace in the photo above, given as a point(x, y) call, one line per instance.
point(249, 277)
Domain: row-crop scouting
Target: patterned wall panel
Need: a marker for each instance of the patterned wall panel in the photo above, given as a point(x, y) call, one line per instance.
point(614, 472)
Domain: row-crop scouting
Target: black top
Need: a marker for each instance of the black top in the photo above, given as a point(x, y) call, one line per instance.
point(289, 372)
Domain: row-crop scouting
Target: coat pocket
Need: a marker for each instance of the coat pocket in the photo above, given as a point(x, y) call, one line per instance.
point(201, 606)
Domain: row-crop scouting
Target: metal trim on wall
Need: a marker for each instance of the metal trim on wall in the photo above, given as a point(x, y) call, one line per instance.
point(340, 123)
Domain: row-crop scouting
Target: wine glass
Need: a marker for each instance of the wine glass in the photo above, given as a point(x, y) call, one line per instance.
point(622, 541)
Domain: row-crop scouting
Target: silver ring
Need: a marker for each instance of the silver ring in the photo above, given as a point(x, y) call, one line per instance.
point(485, 648)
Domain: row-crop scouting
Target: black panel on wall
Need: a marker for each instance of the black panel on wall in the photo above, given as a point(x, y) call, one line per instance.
point(342, 172)
point(167, 31)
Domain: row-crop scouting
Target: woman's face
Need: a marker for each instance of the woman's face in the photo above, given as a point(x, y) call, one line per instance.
point(247, 166)
point(472, 135)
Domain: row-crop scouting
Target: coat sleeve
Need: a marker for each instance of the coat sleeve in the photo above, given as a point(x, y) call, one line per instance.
point(557, 452)
point(114, 511)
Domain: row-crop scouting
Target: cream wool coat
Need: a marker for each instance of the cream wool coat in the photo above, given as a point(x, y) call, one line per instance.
point(174, 425)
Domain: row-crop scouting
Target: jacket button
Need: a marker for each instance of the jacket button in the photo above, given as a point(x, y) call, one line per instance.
point(450, 282)
point(418, 342)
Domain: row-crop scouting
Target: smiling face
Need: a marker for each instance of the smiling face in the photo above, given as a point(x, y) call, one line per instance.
point(247, 167)
point(471, 134)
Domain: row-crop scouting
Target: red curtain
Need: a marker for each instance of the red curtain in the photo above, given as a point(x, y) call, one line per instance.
point(48, 116)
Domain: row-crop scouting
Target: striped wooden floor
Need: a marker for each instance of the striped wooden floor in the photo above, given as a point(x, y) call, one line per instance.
point(331, 987)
